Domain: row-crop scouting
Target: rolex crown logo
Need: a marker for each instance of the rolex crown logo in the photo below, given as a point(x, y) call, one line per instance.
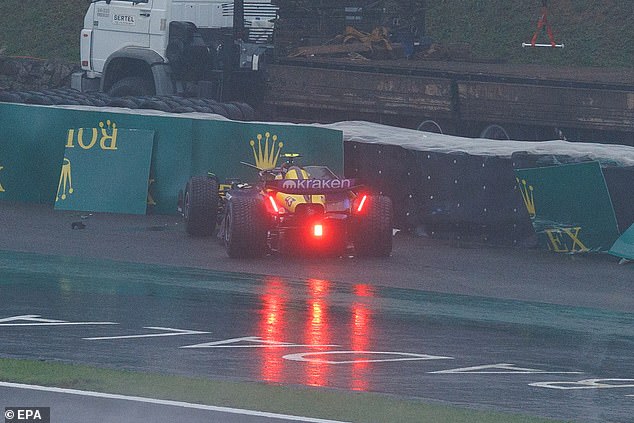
point(106, 127)
point(527, 195)
point(65, 181)
point(108, 135)
point(266, 154)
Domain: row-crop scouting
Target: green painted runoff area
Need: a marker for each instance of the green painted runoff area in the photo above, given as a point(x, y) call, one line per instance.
point(97, 277)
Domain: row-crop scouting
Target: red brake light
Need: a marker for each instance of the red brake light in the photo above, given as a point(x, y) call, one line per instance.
point(274, 206)
point(318, 230)
point(362, 203)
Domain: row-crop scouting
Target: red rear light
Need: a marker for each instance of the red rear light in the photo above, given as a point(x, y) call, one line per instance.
point(318, 230)
point(274, 207)
point(362, 203)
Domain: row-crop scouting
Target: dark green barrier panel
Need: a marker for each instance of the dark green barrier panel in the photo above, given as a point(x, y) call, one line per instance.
point(569, 206)
point(171, 155)
point(624, 246)
point(31, 152)
point(32, 140)
point(105, 169)
point(220, 146)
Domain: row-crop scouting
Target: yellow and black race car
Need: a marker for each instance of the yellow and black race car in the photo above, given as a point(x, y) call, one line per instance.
point(299, 210)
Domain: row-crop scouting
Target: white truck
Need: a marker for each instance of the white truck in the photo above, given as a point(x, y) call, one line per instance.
point(208, 48)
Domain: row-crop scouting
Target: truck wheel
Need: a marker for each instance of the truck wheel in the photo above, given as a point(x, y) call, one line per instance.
point(495, 132)
point(121, 102)
point(248, 113)
point(200, 207)
point(132, 86)
point(245, 227)
point(430, 126)
point(156, 105)
point(233, 111)
point(372, 234)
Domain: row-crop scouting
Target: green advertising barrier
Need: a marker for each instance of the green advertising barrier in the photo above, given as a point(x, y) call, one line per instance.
point(569, 206)
point(220, 146)
point(105, 170)
point(624, 246)
point(31, 152)
point(32, 140)
point(171, 153)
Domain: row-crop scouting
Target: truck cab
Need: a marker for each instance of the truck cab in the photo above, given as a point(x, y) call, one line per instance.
point(164, 47)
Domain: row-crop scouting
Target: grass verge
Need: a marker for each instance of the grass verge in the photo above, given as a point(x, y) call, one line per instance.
point(301, 401)
point(596, 33)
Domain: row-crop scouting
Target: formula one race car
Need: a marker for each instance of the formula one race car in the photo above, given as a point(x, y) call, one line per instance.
point(292, 209)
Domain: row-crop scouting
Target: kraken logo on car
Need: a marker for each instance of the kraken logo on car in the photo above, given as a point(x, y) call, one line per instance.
point(266, 154)
point(289, 184)
point(65, 181)
point(1, 187)
point(527, 195)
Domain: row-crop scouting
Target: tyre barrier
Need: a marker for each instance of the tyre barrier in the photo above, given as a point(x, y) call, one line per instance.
point(169, 104)
point(447, 196)
point(467, 197)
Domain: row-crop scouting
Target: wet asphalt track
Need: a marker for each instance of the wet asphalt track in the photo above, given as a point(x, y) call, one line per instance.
point(527, 354)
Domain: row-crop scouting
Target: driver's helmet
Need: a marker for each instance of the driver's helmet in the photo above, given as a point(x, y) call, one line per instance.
point(296, 172)
point(289, 164)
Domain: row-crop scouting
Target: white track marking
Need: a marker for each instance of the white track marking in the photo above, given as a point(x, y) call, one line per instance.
point(188, 405)
point(252, 342)
point(36, 320)
point(400, 356)
point(170, 332)
point(499, 369)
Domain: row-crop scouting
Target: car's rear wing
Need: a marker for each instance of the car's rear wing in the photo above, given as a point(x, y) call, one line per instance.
point(313, 186)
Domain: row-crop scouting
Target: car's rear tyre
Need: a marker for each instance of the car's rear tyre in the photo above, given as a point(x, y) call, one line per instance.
point(200, 207)
point(245, 227)
point(373, 229)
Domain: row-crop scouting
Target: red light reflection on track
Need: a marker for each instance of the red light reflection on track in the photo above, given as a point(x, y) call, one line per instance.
point(317, 330)
point(271, 327)
point(275, 326)
point(361, 326)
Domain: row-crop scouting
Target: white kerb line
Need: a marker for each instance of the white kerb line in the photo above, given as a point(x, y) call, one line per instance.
point(193, 406)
